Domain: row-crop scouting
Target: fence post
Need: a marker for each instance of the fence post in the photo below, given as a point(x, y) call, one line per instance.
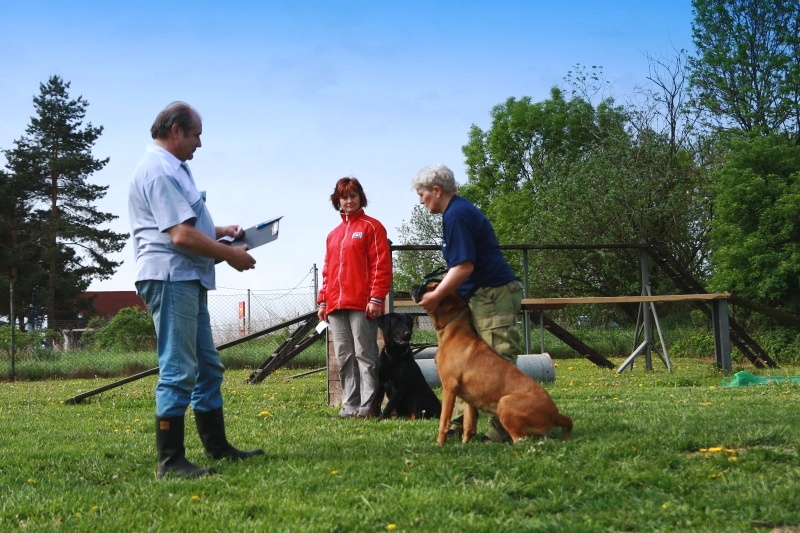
point(526, 324)
point(316, 287)
point(11, 323)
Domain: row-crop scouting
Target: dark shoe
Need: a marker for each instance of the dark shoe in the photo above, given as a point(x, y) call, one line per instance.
point(494, 439)
point(171, 453)
point(497, 433)
point(211, 427)
point(454, 431)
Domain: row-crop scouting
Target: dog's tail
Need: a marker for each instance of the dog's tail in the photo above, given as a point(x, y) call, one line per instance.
point(565, 423)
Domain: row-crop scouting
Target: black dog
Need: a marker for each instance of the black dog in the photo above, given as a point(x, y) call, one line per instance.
point(399, 375)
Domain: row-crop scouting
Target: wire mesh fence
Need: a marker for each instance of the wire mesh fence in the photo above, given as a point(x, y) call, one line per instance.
point(74, 349)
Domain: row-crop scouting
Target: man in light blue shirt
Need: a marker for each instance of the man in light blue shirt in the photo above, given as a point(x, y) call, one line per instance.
point(176, 247)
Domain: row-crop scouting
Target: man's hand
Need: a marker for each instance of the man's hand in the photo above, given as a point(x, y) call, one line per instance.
point(240, 259)
point(235, 231)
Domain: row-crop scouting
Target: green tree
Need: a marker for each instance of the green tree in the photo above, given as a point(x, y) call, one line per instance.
point(747, 72)
point(20, 252)
point(747, 76)
point(55, 161)
point(410, 266)
point(756, 228)
point(564, 171)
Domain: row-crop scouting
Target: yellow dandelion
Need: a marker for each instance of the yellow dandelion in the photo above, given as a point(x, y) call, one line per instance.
point(664, 505)
point(391, 527)
point(31, 480)
point(718, 474)
point(715, 449)
point(733, 458)
point(95, 508)
point(334, 472)
point(195, 497)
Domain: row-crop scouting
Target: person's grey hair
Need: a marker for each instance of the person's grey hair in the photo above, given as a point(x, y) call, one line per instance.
point(177, 113)
point(436, 174)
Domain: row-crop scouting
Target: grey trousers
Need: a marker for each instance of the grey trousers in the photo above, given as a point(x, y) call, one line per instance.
point(355, 344)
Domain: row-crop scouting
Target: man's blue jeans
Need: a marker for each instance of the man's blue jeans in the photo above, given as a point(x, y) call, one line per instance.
point(190, 369)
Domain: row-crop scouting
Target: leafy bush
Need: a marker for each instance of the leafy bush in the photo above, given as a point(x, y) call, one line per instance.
point(782, 344)
point(130, 330)
point(29, 345)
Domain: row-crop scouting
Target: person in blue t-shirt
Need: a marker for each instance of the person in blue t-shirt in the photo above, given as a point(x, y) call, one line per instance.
point(476, 269)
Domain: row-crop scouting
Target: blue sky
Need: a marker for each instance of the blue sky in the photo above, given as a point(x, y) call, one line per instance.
point(296, 94)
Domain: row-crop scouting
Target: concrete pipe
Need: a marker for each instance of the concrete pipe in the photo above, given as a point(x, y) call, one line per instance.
point(539, 366)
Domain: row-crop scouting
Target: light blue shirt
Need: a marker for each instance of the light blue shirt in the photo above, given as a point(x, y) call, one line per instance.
point(162, 195)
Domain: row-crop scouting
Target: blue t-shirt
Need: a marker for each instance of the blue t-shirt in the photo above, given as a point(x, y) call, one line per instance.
point(469, 236)
point(163, 194)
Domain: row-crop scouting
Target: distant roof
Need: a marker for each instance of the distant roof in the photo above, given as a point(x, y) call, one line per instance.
point(108, 303)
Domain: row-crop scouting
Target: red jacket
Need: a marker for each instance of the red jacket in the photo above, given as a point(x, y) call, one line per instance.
point(358, 264)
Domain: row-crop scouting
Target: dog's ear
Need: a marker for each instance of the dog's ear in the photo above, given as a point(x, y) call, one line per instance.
point(416, 292)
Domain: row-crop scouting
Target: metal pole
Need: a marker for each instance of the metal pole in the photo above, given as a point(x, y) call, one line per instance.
point(248, 313)
point(526, 293)
point(316, 287)
point(647, 323)
point(11, 323)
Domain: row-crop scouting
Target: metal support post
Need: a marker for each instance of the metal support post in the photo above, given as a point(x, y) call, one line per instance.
point(722, 340)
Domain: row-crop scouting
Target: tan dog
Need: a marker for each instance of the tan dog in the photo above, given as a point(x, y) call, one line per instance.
point(470, 369)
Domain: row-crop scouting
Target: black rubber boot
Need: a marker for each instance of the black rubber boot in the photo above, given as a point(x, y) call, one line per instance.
point(171, 453)
point(211, 427)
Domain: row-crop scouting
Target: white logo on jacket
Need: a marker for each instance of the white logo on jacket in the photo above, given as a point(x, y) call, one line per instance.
point(357, 235)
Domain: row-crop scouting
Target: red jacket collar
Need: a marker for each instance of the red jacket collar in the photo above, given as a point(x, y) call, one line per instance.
point(354, 216)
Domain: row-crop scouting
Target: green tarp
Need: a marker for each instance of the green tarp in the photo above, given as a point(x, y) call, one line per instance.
point(740, 379)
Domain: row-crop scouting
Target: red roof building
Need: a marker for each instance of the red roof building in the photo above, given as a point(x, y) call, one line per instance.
point(108, 303)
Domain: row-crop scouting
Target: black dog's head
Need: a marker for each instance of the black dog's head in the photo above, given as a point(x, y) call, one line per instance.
point(396, 329)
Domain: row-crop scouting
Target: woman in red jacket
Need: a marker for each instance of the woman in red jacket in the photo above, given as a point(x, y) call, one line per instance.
point(355, 279)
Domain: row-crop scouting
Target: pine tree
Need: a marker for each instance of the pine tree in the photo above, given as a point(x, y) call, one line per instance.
point(49, 170)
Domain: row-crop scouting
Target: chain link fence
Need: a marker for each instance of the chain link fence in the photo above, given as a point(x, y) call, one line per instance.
point(84, 349)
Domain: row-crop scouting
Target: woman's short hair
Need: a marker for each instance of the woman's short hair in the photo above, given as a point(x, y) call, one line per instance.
point(436, 174)
point(177, 113)
point(344, 187)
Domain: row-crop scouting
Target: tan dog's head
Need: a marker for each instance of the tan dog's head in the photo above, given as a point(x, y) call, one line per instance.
point(451, 305)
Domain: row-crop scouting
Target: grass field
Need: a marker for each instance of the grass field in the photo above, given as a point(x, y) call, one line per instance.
point(651, 451)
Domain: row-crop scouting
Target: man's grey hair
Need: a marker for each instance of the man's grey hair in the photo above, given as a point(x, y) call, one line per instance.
point(436, 174)
point(177, 113)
